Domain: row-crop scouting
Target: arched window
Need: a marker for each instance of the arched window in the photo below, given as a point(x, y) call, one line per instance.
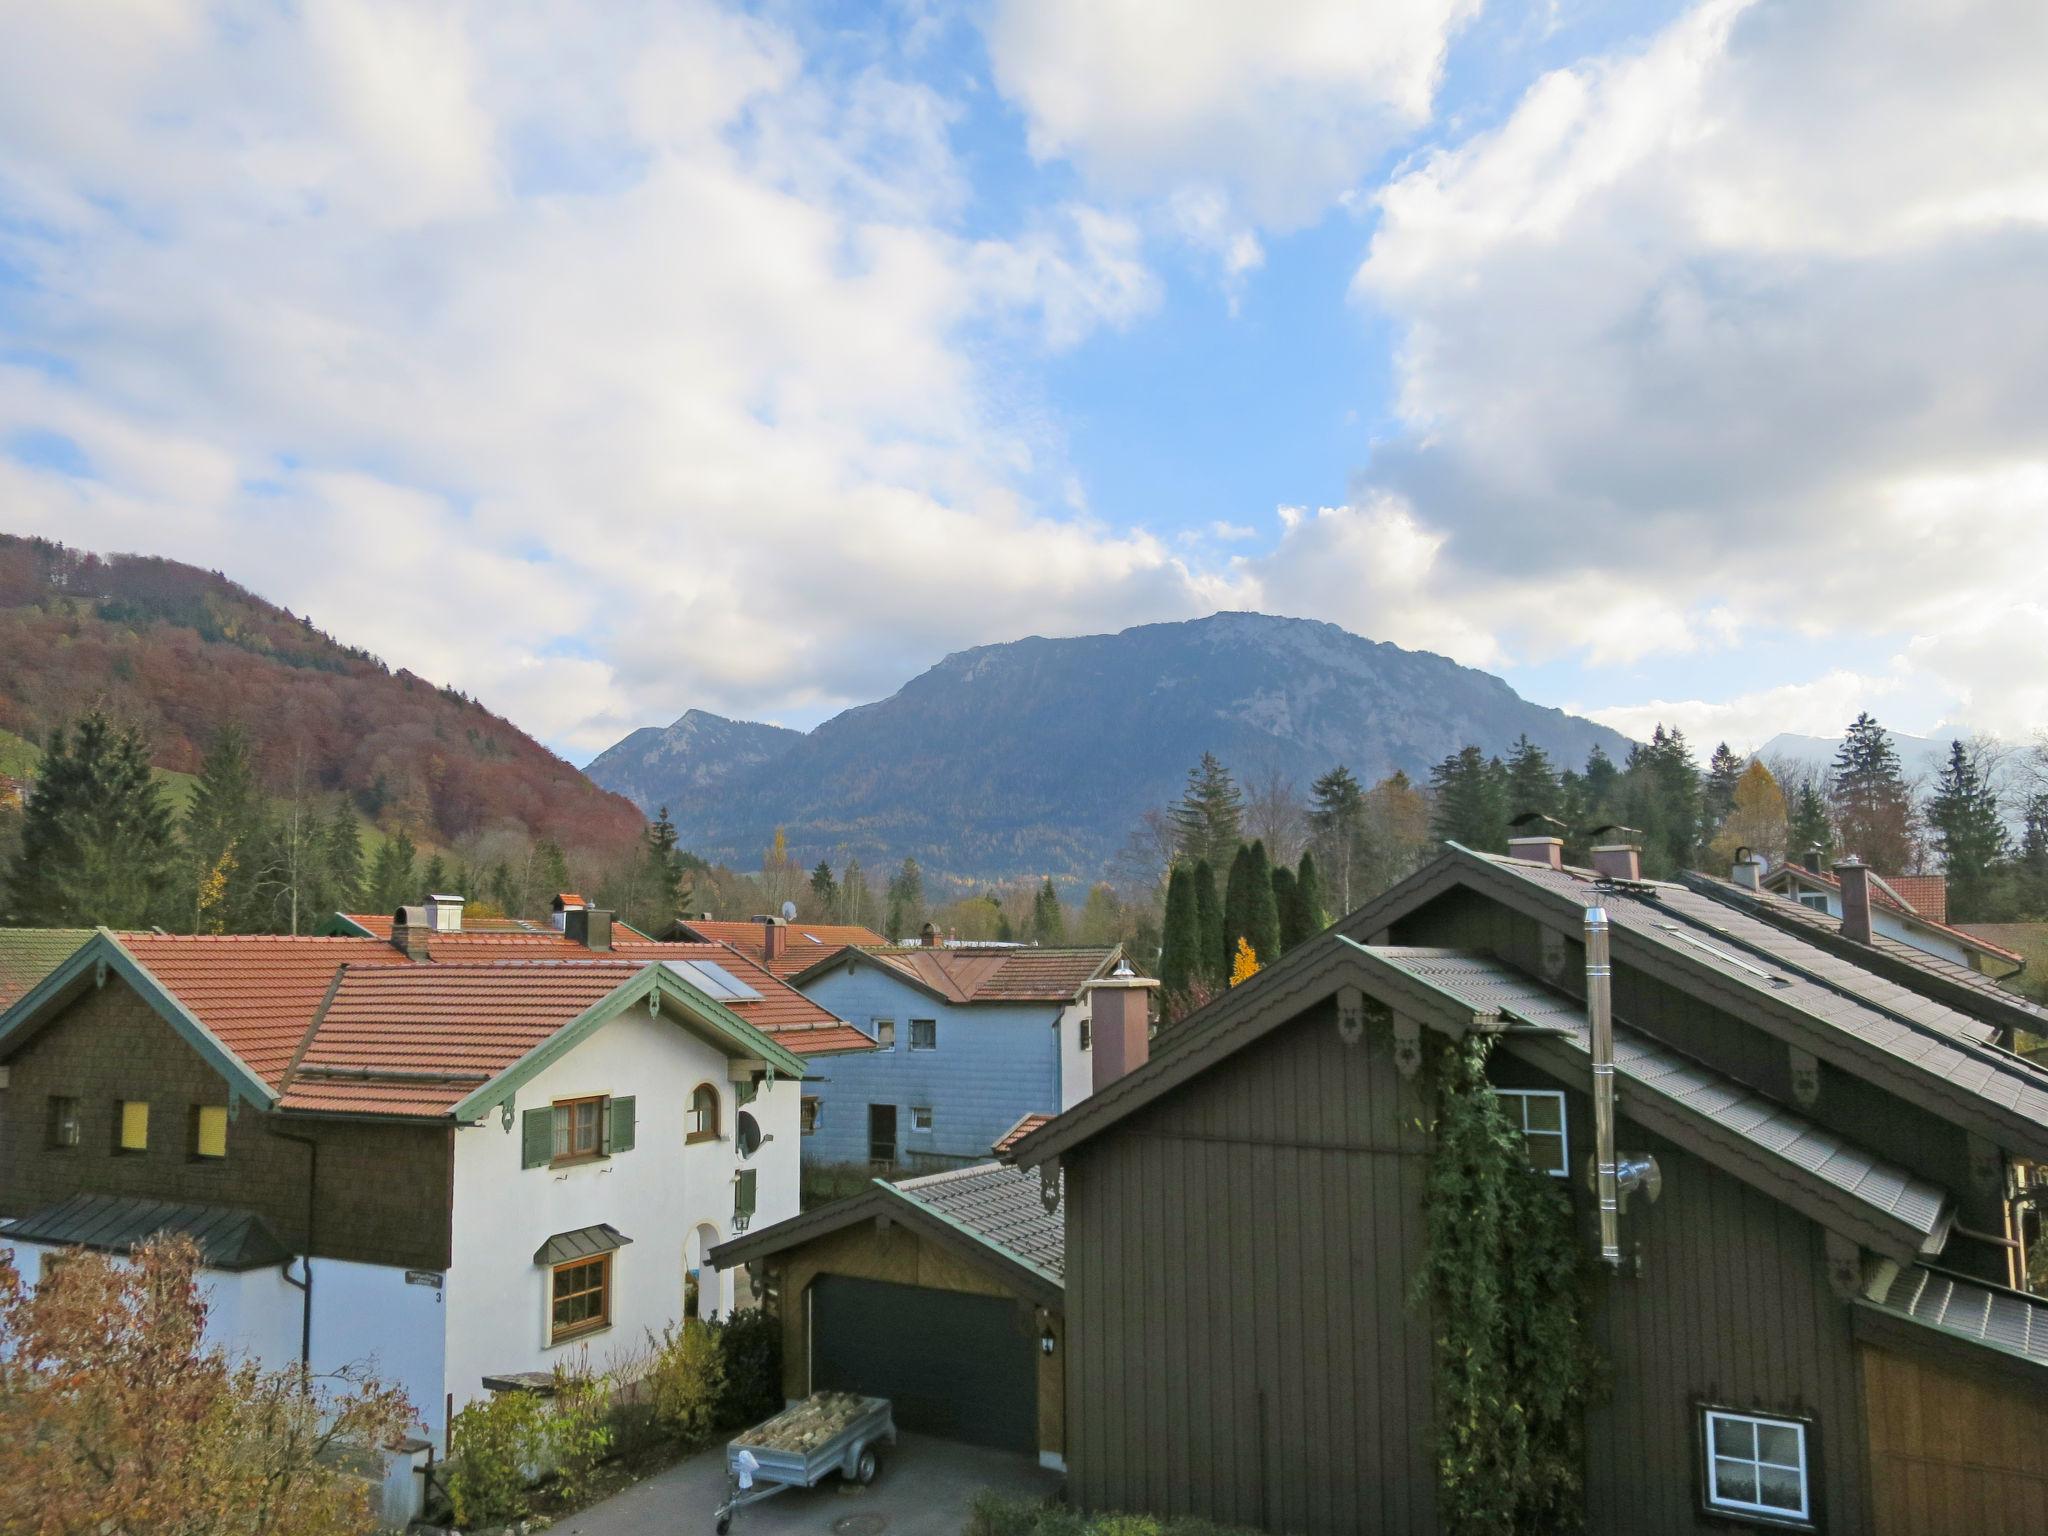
point(703, 1114)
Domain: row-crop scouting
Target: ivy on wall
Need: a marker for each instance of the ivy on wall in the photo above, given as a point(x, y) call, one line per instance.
point(1506, 1280)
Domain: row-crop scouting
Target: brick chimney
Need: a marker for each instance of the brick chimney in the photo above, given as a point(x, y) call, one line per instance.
point(1120, 1023)
point(774, 937)
point(1538, 850)
point(930, 938)
point(409, 929)
point(1749, 870)
point(591, 927)
point(1618, 861)
point(1854, 876)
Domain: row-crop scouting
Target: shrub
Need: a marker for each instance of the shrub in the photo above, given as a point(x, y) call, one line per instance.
point(750, 1349)
point(688, 1379)
point(579, 1430)
point(499, 1444)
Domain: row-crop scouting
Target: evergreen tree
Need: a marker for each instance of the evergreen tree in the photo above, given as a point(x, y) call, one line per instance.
point(1471, 801)
point(1209, 920)
point(1532, 782)
point(1717, 795)
point(1337, 819)
point(342, 859)
point(1102, 917)
point(906, 902)
point(1181, 942)
point(1294, 923)
point(1209, 819)
point(394, 878)
point(223, 835)
point(434, 878)
point(1661, 797)
point(1308, 894)
point(1249, 911)
point(1872, 806)
point(2032, 895)
point(1968, 833)
point(824, 892)
point(1048, 921)
point(1808, 828)
point(1597, 802)
point(97, 847)
point(1005, 934)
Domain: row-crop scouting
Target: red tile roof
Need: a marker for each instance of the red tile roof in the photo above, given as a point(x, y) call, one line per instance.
point(1925, 894)
point(805, 944)
point(1015, 974)
point(1018, 1132)
point(1904, 896)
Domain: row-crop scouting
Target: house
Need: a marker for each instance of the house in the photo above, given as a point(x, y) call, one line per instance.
point(458, 1155)
point(1811, 1324)
point(967, 1039)
point(784, 945)
point(1909, 910)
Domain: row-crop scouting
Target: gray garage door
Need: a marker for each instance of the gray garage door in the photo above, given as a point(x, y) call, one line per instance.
point(960, 1366)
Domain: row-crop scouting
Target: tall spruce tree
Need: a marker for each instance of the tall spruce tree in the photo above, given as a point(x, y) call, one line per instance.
point(1661, 796)
point(97, 846)
point(1717, 792)
point(1209, 919)
point(824, 892)
point(1873, 808)
point(1308, 893)
point(1048, 920)
point(1337, 821)
point(394, 874)
point(906, 901)
point(1470, 791)
point(1209, 819)
point(1968, 833)
point(1181, 940)
point(341, 849)
point(1249, 911)
point(1808, 828)
point(1532, 781)
point(1288, 930)
point(2032, 893)
point(223, 836)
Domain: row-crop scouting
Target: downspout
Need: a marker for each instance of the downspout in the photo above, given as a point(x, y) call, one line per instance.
point(1600, 1015)
point(305, 1286)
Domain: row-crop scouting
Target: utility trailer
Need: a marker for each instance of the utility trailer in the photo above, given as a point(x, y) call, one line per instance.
point(825, 1433)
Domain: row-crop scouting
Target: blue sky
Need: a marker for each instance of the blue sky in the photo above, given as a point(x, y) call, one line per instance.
point(1674, 361)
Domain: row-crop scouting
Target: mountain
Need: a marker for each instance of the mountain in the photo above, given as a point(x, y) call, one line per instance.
point(181, 652)
point(1039, 756)
point(1920, 757)
point(654, 767)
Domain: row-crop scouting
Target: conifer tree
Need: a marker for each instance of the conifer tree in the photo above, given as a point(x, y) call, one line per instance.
point(2032, 895)
point(853, 893)
point(1181, 941)
point(1048, 921)
point(394, 877)
point(906, 901)
point(1249, 912)
point(1968, 833)
point(97, 846)
point(1209, 920)
point(434, 878)
point(1308, 891)
point(1717, 794)
point(1808, 827)
point(1471, 801)
point(1337, 818)
point(824, 892)
point(1209, 818)
point(1532, 781)
point(1873, 808)
point(341, 859)
point(1286, 907)
point(223, 835)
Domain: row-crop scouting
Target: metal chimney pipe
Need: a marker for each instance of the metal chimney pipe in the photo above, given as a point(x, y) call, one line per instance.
point(1600, 1014)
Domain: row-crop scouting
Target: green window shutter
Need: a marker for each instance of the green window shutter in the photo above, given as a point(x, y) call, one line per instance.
point(743, 1194)
point(618, 1124)
point(536, 1138)
point(745, 1091)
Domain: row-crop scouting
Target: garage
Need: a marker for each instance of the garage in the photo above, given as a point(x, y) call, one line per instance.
point(954, 1364)
point(944, 1294)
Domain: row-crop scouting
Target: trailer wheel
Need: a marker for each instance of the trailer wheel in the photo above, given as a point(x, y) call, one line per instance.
point(724, 1524)
point(864, 1469)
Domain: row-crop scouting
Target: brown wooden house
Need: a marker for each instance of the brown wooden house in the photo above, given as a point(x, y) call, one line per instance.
point(1812, 1327)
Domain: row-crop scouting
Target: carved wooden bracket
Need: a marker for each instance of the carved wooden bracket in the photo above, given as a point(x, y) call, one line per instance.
point(1805, 1076)
point(1050, 1184)
point(1350, 1015)
point(1556, 956)
point(1845, 1266)
point(1407, 1044)
point(1987, 1168)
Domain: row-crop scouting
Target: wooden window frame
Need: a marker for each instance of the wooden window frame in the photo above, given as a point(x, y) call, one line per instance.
point(54, 1117)
point(1563, 1133)
point(1717, 1506)
point(810, 1113)
point(121, 1108)
point(562, 1333)
point(570, 1107)
point(199, 1115)
point(698, 1133)
point(934, 1026)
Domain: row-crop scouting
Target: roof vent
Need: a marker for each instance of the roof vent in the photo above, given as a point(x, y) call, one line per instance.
point(444, 913)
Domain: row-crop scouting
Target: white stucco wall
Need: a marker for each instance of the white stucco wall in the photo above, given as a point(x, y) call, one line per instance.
point(1077, 1067)
point(497, 1297)
point(371, 1315)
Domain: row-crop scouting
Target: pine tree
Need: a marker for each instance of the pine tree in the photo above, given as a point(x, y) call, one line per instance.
point(1873, 808)
point(1308, 894)
point(906, 902)
point(222, 834)
point(434, 877)
point(1249, 912)
point(1209, 818)
point(1209, 920)
point(1808, 828)
point(1284, 906)
point(1048, 921)
point(341, 859)
point(1181, 942)
point(97, 847)
point(1532, 781)
point(1471, 801)
point(1337, 819)
point(394, 878)
point(1968, 833)
point(824, 892)
point(2032, 895)
point(1717, 794)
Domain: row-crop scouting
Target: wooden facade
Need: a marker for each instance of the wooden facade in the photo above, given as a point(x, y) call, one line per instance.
point(1953, 1450)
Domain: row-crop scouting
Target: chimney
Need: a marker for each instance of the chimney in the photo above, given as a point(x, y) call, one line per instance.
point(1538, 850)
point(409, 929)
point(589, 926)
point(774, 937)
point(1810, 860)
point(1749, 870)
point(1618, 861)
point(444, 914)
point(1854, 876)
point(1120, 1014)
point(930, 937)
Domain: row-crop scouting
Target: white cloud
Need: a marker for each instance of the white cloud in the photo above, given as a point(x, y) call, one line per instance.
point(1820, 707)
point(1277, 111)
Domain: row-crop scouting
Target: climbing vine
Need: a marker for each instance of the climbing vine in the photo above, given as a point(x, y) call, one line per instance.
point(1505, 1278)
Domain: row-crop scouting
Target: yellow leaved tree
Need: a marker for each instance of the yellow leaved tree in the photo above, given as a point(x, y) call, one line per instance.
point(1245, 963)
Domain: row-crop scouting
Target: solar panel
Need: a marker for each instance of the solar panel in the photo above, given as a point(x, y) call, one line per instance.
point(714, 980)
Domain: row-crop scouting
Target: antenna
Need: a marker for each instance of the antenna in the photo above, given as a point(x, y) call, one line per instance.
point(789, 911)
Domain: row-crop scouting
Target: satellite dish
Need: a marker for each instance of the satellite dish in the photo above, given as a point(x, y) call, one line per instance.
point(789, 911)
point(749, 1134)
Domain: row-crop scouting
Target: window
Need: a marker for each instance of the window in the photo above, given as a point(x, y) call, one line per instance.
point(1756, 1466)
point(1817, 900)
point(210, 1131)
point(579, 1129)
point(812, 1113)
point(1539, 1114)
point(743, 1199)
point(921, 1117)
point(582, 1297)
point(64, 1121)
point(924, 1034)
point(703, 1114)
point(1087, 1033)
point(885, 1034)
point(131, 1125)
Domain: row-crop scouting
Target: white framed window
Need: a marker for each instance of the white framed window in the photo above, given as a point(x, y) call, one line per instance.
point(1756, 1465)
point(1539, 1114)
point(885, 1034)
point(1815, 899)
point(920, 1117)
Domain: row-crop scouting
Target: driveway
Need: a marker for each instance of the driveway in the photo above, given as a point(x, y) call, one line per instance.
point(924, 1489)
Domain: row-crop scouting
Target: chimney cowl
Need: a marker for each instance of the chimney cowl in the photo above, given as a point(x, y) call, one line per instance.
point(410, 926)
point(1749, 870)
point(929, 937)
point(591, 927)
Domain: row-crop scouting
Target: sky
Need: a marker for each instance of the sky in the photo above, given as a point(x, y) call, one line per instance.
point(1675, 362)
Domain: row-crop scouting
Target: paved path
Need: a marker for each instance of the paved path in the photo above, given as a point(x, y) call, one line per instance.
point(923, 1490)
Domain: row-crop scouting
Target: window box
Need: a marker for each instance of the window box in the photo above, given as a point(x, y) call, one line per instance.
point(924, 1034)
point(1538, 1113)
point(1757, 1468)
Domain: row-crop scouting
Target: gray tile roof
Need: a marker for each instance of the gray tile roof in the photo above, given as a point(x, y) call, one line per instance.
point(1000, 1206)
point(228, 1238)
point(1492, 986)
point(583, 1243)
point(1981, 1314)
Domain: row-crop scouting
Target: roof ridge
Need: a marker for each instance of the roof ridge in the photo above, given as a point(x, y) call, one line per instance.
point(922, 1180)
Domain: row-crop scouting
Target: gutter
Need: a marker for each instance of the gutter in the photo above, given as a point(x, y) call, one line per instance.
point(305, 1286)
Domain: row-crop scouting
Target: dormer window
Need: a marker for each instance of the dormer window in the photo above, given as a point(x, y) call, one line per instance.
point(703, 1114)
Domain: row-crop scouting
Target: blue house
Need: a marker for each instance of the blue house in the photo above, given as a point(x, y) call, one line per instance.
point(970, 1039)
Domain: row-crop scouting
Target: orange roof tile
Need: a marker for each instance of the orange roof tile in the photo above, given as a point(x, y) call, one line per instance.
point(1018, 1132)
point(1015, 974)
point(807, 943)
